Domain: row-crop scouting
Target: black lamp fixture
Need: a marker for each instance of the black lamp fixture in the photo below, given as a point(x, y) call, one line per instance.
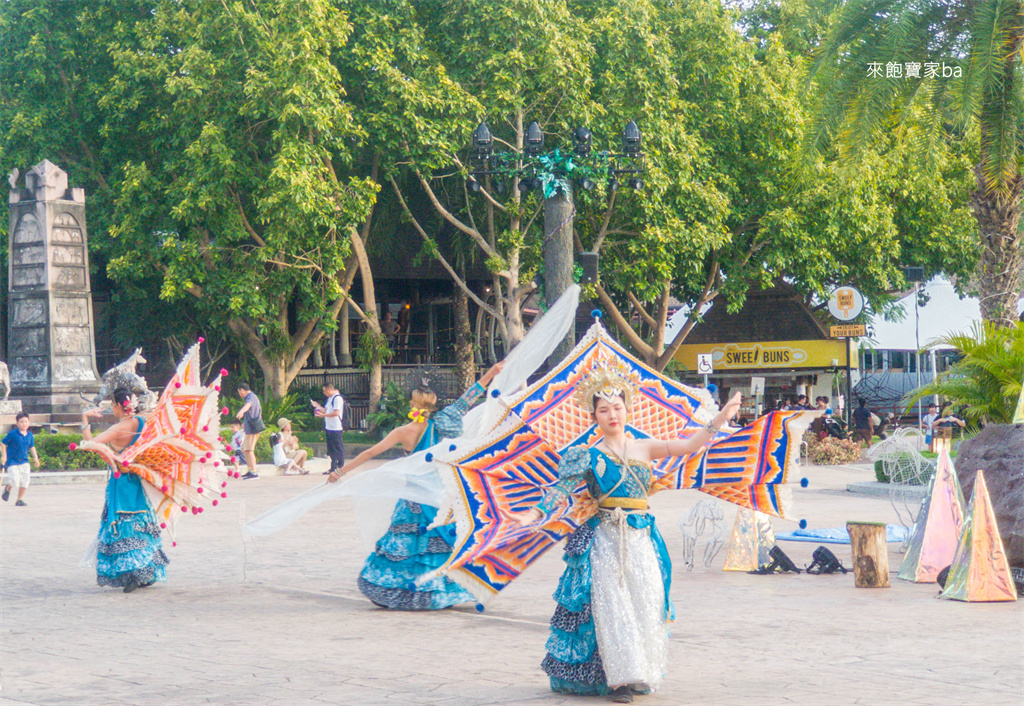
point(473, 184)
point(534, 139)
point(581, 138)
point(631, 138)
point(482, 141)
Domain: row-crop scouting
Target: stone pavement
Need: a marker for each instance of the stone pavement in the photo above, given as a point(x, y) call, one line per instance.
point(278, 620)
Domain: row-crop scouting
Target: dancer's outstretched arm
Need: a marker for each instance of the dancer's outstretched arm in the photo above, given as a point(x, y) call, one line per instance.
point(653, 449)
point(398, 435)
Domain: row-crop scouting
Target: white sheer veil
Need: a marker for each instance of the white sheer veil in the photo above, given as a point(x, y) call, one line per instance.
point(413, 477)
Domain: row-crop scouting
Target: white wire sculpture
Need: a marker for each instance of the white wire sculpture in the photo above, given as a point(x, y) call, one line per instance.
point(908, 473)
point(705, 521)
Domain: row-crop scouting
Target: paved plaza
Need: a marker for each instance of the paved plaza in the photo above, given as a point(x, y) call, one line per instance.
point(278, 620)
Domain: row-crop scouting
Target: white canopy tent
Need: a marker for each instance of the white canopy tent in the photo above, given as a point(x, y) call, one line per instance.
point(945, 313)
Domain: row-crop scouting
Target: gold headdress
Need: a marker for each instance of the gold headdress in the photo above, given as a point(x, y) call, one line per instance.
point(608, 380)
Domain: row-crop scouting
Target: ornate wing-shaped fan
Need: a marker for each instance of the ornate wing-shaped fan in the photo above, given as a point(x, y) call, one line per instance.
point(178, 454)
point(511, 468)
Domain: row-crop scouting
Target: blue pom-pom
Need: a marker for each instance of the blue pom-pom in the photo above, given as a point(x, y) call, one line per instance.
point(422, 529)
point(803, 524)
point(428, 458)
point(804, 482)
point(596, 313)
point(452, 447)
point(479, 607)
point(411, 586)
point(495, 393)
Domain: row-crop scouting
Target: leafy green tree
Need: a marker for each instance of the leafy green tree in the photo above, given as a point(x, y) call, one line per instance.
point(728, 202)
point(936, 70)
point(986, 381)
point(451, 65)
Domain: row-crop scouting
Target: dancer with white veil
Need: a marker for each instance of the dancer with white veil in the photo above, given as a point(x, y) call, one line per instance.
point(414, 478)
point(410, 547)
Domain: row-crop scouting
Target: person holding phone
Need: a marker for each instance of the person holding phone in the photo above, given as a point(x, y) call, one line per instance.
point(331, 412)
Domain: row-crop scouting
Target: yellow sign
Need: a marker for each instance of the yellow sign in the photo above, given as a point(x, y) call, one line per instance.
point(848, 330)
point(760, 355)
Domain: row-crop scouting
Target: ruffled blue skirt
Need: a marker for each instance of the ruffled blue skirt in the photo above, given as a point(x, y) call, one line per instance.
point(405, 552)
point(129, 548)
point(573, 662)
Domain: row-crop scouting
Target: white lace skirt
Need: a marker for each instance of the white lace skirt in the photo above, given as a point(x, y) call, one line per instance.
point(628, 605)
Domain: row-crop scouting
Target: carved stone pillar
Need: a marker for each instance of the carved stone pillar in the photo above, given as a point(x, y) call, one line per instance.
point(51, 346)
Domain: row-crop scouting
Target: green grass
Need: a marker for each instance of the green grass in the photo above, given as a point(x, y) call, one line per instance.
point(350, 437)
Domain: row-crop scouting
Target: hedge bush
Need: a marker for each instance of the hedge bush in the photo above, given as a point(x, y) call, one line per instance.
point(927, 470)
point(54, 454)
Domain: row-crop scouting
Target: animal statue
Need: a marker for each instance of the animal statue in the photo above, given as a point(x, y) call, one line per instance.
point(124, 375)
point(5, 379)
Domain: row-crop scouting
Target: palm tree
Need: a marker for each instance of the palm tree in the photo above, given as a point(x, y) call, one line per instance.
point(935, 69)
point(986, 382)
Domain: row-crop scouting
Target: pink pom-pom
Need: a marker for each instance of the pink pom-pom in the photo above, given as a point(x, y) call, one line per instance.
point(184, 508)
point(200, 509)
point(117, 474)
point(195, 511)
point(216, 463)
point(164, 488)
point(215, 502)
point(72, 446)
point(206, 427)
point(238, 474)
point(177, 383)
point(224, 410)
point(217, 388)
point(223, 372)
point(174, 544)
point(202, 340)
point(234, 459)
point(124, 463)
point(224, 484)
point(224, 495)
point(199, 490)
point(209, 454)
point(184, 430)
point(163, 525)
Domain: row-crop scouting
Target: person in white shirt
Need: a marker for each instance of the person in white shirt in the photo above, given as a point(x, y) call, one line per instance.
point(332, 413)
point(928, 422)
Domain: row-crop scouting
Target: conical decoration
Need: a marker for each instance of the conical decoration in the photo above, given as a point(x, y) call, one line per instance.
point(938, 525)
point(752, 539)
point(979, 571)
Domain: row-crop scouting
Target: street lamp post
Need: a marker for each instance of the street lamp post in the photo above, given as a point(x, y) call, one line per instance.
point(556, 174)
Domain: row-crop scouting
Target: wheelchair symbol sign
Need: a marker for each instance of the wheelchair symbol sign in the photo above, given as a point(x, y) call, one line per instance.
point(704, 364)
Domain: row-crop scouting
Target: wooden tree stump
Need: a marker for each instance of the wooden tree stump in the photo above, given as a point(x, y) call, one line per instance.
point(870, 554)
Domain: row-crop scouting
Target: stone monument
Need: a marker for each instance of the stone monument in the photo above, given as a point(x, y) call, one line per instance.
point(51, 347)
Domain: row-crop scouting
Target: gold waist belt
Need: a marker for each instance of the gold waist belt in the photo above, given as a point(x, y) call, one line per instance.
point(628, 503)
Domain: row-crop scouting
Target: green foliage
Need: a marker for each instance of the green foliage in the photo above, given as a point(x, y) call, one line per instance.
point(927, 471)
point(393, 411)
point(986, 382)
point(373, 348)
point(293, 406)
point(54, 454)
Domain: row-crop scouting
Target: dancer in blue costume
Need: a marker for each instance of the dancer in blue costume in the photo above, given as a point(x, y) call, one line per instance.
point(408, 549)
point(129, 554)
point(609, 633)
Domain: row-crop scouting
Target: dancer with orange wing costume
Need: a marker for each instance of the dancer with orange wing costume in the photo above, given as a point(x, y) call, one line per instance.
point(161, 466)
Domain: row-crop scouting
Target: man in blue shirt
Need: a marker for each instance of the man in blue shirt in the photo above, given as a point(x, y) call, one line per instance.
point(14, 450)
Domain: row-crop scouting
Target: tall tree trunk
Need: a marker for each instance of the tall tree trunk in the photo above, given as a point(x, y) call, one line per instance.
point(998, 274)
point(558, 260)
point(465, 370)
